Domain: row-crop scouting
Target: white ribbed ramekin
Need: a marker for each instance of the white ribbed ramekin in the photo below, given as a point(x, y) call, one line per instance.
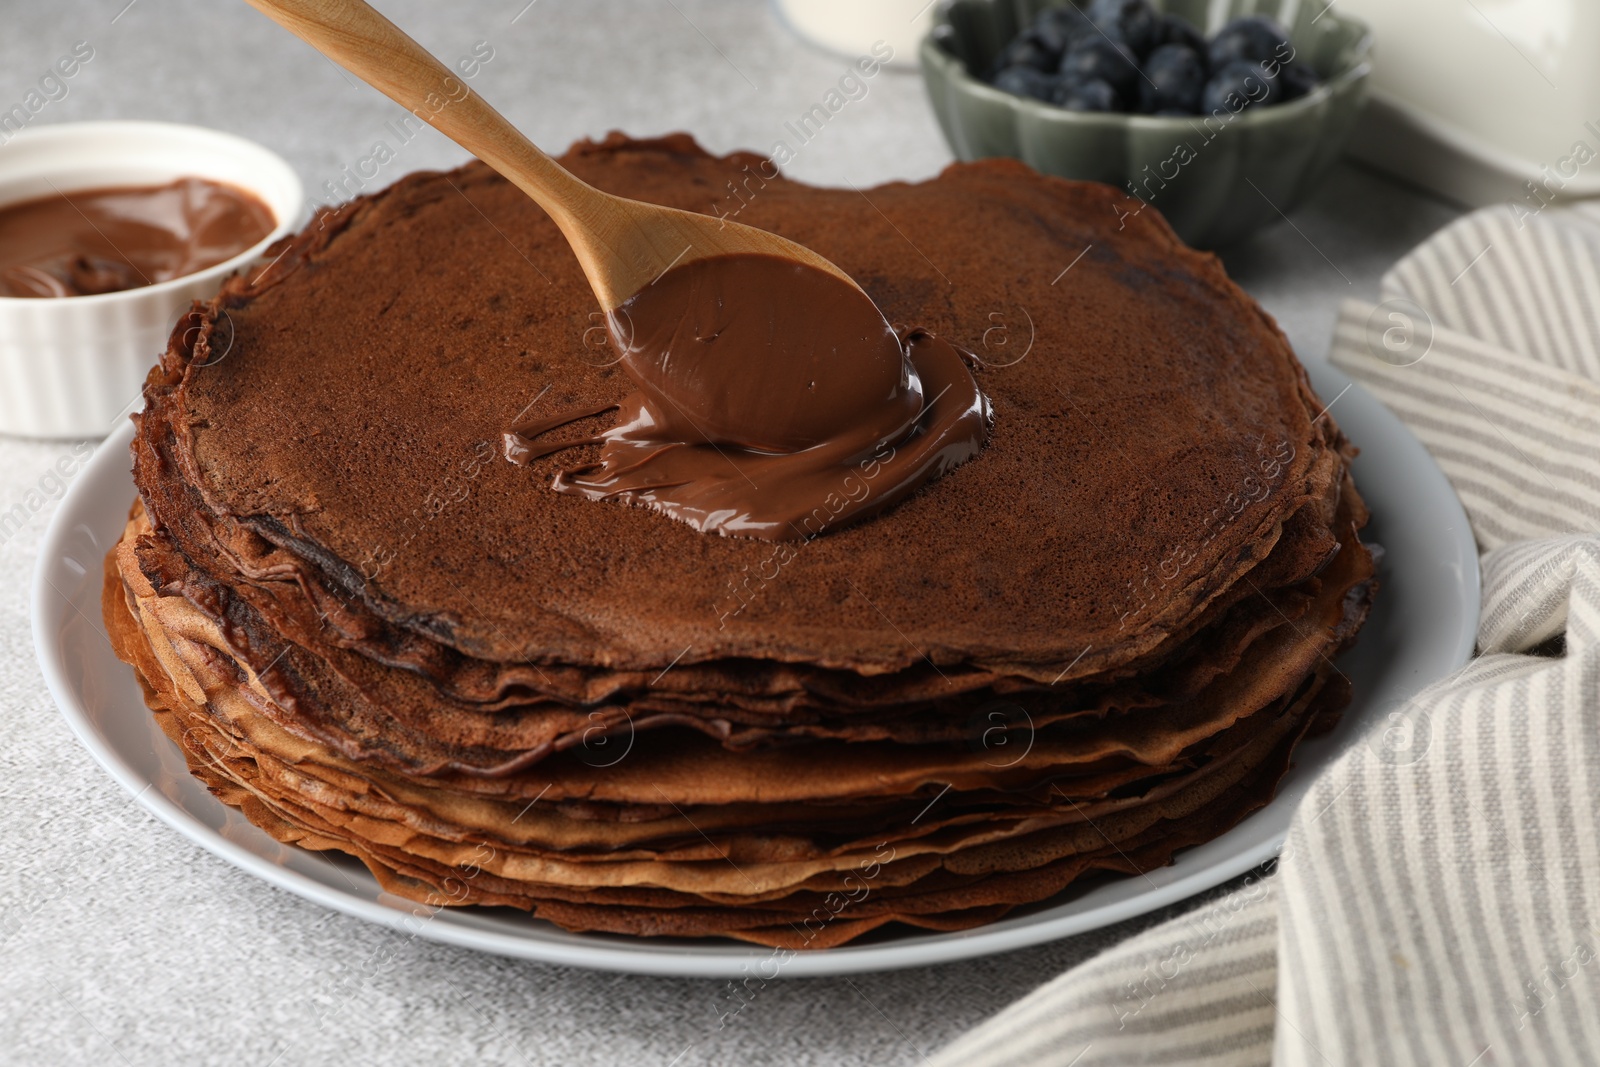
point(74, 366)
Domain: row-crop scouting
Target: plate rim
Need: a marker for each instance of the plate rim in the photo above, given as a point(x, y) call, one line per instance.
point(679, 957)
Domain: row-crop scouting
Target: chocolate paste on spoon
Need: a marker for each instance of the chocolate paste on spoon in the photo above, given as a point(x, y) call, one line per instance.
point(773, 401)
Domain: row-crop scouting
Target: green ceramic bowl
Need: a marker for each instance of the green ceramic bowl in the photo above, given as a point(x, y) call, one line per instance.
point(1217, 179)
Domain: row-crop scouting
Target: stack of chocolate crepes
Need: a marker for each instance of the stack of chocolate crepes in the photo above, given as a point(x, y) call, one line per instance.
point(1094, 644)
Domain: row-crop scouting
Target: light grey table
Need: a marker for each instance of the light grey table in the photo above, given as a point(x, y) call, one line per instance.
point(121, 942)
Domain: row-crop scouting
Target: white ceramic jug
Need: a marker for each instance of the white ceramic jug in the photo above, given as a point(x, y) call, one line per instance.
point(1478, 99)
point(851, 27)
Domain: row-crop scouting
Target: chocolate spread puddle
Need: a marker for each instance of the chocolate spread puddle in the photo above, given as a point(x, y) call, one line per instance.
point(773, 401)
point(106, 240)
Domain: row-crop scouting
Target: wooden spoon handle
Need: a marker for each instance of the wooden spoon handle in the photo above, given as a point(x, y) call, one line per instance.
point(361, 40)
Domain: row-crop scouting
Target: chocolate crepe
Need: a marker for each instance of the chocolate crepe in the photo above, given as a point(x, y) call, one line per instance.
point(371, 633)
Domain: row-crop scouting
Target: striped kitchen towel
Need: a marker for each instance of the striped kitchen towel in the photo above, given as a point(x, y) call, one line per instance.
point(1438, 898)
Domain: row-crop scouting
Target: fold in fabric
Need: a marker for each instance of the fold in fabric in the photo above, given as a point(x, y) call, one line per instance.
point(1438, 898)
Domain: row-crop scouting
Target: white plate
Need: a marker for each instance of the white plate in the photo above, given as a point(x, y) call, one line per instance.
point(1422, 628)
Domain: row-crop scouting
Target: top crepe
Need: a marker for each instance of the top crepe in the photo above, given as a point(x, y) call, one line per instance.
point(1122, 492)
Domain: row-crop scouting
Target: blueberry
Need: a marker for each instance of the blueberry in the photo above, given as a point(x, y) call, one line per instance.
point(1297, 79)
point(1254, 37)
point(1093, 95)
point(1174, 77)
point(1027, 50)
point(1240, 85)
point(1026, 81)
point(1175, 29)
point(1130, 22)
point(1095, 58)
point(1058, 27)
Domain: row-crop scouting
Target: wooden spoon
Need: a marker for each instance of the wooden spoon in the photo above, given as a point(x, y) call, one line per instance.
point(623, 245)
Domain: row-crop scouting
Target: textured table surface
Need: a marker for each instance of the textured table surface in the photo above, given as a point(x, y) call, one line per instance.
point(121, 942)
